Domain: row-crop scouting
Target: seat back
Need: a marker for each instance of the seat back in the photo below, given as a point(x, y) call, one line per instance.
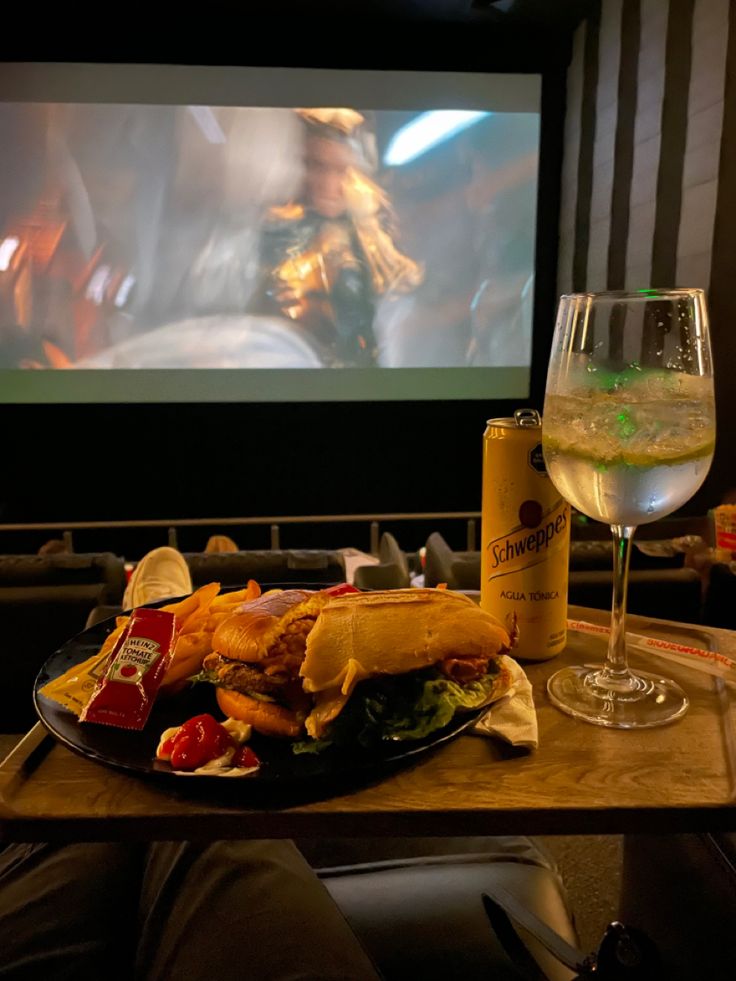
point(279, 565)
point(45, 600)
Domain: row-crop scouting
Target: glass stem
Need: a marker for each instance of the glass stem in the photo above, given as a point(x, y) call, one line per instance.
point(616, 665)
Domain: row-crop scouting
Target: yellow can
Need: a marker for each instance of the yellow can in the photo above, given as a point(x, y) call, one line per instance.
point(525, 537)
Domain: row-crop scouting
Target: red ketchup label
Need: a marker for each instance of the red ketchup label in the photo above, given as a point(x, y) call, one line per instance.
point(125, 693)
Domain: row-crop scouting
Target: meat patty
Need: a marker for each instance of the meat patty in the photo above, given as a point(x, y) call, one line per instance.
point(272, 673)
point(242, 677)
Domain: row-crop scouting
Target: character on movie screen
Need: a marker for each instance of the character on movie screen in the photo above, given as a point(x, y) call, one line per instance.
point(329, 256)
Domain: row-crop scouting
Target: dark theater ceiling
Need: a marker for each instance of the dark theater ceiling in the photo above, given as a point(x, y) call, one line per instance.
point(299, 32)
point(530, 13)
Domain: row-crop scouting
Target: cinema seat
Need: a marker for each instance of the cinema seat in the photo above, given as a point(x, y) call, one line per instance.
point(416, 904)
point(44, 600)
point(275, 566)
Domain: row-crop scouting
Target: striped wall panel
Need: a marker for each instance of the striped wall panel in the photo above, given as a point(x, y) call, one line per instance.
point(702, 151)
point(648, 192)
point(568, 195)
point(609, 48)
point(649, 95)
point(642, 145)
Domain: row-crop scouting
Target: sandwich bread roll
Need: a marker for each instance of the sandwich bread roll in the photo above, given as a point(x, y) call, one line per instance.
point(363, 635)
point(251, 634)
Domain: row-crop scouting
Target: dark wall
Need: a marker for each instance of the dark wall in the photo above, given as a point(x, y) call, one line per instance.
point(133, 461)
point(168, 461)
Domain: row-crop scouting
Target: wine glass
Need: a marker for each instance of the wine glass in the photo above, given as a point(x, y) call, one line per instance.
point(628, 437)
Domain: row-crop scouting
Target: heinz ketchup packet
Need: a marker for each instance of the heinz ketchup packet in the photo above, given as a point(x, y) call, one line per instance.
point(125, 693)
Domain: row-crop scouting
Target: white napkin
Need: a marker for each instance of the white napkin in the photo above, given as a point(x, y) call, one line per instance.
point(512, 716)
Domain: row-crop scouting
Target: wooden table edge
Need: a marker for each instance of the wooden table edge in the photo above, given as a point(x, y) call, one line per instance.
point(346, 824)
point(35, 740)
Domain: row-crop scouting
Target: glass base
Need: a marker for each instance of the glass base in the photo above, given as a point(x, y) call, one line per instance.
point(633, 700)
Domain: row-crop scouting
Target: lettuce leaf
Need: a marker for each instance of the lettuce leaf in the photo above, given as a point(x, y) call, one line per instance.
point(401, 708)
point(439, 701)
point(203, 677)
point(211, 678)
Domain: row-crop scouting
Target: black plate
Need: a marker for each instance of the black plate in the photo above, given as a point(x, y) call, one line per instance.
point(136, 750)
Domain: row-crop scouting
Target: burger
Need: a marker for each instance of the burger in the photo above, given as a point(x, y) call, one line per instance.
point(322, 668)
point(256, 657)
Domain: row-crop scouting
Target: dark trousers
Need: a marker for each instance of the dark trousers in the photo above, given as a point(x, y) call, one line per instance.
point(181, 911)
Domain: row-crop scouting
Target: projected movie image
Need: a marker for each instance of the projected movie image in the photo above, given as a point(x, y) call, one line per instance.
point(157, 237)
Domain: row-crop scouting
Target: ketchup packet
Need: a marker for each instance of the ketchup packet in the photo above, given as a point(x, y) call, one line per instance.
point(125, 693)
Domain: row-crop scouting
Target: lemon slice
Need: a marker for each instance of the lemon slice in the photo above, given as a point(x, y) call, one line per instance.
point(628, 458)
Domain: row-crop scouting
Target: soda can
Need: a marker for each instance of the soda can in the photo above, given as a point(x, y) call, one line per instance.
point(525, 537)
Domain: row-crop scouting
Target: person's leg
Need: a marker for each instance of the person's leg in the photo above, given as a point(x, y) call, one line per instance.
point(242, 910)
point(68, 912)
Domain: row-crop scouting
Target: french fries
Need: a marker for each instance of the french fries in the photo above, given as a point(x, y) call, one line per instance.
point(252, 591)
point(190, 650)
point(199, 616)
point(183, 608)
point(205, 595)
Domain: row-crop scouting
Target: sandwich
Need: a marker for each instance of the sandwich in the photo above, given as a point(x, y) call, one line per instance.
point(360, 666)
point(400, 632)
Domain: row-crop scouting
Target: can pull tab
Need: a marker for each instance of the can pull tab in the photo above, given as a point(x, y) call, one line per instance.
point(527, 418)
